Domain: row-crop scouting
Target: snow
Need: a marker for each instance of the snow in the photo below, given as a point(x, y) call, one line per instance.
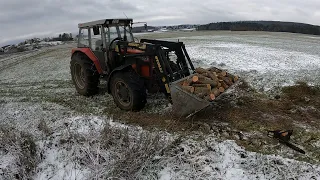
point(74, 146)
point(165, 174)
point(265, 61)
point(197, 156)
point(5, 161)
point(210, 159)
point(51, 43)
point(55, 167)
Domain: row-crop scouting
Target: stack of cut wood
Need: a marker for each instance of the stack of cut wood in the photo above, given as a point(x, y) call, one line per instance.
point(208, 83)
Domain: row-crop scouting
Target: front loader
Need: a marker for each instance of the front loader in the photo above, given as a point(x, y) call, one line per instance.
point(107, 49)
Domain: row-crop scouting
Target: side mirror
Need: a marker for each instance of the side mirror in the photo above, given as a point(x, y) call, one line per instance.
point(96, 30)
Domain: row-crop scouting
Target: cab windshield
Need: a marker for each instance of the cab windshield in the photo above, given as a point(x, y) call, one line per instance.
point(119, 32)
point(125, 31)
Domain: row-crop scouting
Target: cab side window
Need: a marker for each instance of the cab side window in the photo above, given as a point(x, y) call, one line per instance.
point(96, 41)
point(83, 38)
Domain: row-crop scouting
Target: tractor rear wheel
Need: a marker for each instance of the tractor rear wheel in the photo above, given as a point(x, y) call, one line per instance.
point(84, 75)
point(128, 91)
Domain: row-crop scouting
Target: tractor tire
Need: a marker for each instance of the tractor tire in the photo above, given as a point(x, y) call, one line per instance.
point(128, 91)
point(84, 75)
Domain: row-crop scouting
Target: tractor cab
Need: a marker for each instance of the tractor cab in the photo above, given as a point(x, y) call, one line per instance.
point(101, 34)
point(102, 37)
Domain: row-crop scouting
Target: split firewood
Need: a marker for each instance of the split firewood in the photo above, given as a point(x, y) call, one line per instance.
point(216, 92)
point(199, 79)
point(227, 81)
point(187, 82)
point(195, 78)
point(190, 89)
point(235, 78)
point(199, 90)
point(207, 73)
point(208, 81)
point(224, 85)
point(202, 85)
point(201, 95)
point(223, 73)
point(200, 70)
point(208, 84)
point(221, 89)
point(214, 69)
point(210, 97)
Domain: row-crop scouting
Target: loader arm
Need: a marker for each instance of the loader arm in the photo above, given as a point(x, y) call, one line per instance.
point(183, 66)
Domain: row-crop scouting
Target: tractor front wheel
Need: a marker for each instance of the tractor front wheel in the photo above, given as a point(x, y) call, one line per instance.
point(84, 75)
point(128, 91)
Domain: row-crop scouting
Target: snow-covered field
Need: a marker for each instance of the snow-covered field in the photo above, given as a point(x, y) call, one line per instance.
point(48, 131)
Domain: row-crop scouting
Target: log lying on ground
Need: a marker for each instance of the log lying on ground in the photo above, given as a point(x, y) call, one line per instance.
point(208, 84)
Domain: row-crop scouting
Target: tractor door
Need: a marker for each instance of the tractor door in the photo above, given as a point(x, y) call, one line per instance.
point(97, 36)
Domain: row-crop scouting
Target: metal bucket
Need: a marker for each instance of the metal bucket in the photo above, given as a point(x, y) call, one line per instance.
point(185, 104)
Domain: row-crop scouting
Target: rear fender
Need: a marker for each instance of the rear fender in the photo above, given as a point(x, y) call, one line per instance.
point(120, 68)
point(90, 55)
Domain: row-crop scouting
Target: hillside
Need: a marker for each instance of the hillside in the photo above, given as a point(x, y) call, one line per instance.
point(273, 26)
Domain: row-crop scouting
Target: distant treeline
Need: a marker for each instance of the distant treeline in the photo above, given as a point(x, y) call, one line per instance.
point(274, 26)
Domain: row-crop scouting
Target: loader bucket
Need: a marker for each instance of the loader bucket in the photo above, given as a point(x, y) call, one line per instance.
point(185, 103)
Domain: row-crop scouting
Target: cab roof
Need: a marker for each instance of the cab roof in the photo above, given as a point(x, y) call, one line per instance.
point(105, 22)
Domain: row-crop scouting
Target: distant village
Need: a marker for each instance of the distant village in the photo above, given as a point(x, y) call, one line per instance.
point(36, 43)
point(184, 27)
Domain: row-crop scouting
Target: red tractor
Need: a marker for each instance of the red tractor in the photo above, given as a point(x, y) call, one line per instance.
point(107, 49)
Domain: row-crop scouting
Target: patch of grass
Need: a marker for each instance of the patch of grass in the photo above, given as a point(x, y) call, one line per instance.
point(299, 91)
point(23, 147)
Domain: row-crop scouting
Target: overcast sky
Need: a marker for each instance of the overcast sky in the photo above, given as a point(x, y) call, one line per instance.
point(21, 19)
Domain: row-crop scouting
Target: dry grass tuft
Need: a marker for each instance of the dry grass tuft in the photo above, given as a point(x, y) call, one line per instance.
point(22, 146)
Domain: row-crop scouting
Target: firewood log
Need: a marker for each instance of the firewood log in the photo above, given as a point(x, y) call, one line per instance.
point(189, 89)
point(202, 85)
point(195, 78)
point(223, 73)
point(187, 82)
point(227, 81)
point(207, 73)
point(224, 85)
point(201, 95)
point(199, 79)
point(221, 89)
point(210, 97)
point(235, 78)
point(214, 69)
point(216, 92)
point(199, 90)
